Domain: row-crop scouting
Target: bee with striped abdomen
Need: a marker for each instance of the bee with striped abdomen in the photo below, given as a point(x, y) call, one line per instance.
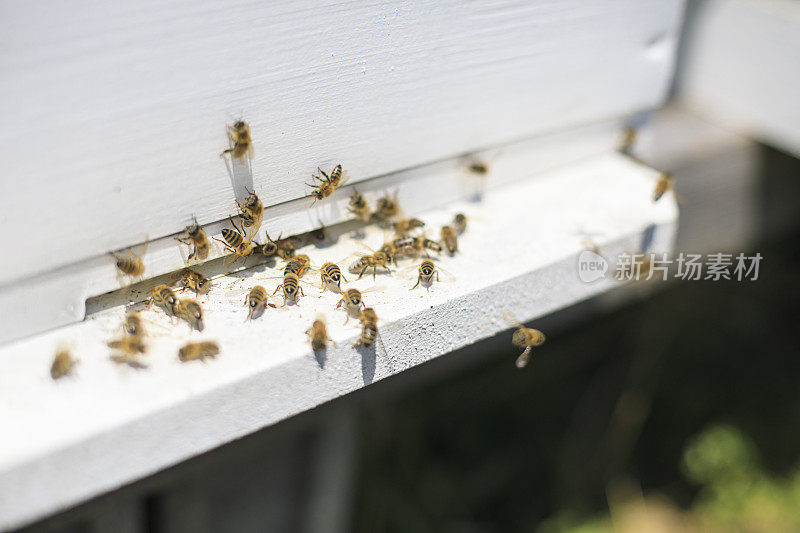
point(352, 303)
point(198, 351)
point(372, 260)
point(327, 184)
point(369, 328)
point(127, 351)
point(331, 277)
point(251, 212)
point(298, 264)
point(291, 288)
point(426, 271)
point(163, 297)
point(236, 241)
point(130, 265)
point(256, 301)
point(425, 245)
point(241, 142)
point(198, 240)
point(386, 208)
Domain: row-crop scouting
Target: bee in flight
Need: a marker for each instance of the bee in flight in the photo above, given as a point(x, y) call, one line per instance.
point(459, 223)
point(327, 184)
point(449, 238)
point(241, 143)
point(133, 324)
point(251, 212)
point(256, 301)
point(318, 335)
point(190, 312)
point(127, 351)
point(236, 241)
point(198, 351)
point(665, 183)
point(130, 265)
point(198, 240)
point(194, 281)
point(359, 207)
point(426, 271)
point(387, 208)
point(63, 363)
point(369, 328)
point(527, 338)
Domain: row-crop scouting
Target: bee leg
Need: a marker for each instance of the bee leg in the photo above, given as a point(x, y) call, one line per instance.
point(362, 272)
point(299, 288)
point(279, 287)
point(415, 286)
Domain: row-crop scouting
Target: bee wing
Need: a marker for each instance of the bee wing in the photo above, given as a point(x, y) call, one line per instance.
point(445, 276)
point(374, 288)
point(409, 272)
point(510, 319)
point(366, 250)
point(524, 357)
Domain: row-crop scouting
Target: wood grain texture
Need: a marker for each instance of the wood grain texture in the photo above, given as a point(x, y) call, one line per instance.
point(114, 113)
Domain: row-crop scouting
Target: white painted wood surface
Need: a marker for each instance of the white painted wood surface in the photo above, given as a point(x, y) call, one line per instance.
point(114, 113)
point(67, 441)
point(741, 68)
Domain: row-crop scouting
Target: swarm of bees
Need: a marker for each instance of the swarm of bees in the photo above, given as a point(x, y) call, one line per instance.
point(409, 240)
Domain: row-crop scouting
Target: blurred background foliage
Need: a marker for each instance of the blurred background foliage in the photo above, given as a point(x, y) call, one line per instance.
point(677, 412)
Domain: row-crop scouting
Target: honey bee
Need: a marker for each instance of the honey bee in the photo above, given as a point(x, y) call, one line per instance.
point(328, 184)
point(459, 223)
point(236, 241)
point(478, 167)
point(291, 288)
point(242, 144)
point(269, 248)
point(665, 182)
point(405, 226)
point(252, 212)
point(318, 335)
point(198, 240)
point(403, 247)
point(133, 324)
point(126, 351)
point(387, 207)
point(257, 301)
point(191, 312)
point(163, 297)
point(523, 337)
point(449, 239)
point(331, 277)
point(194, 281)
point(374, 260)
point(359, 206)
point(426, 271)
point(63, 364)
point(131, 266)
point(369, 328)
point(299, 265)
point(284, 248)
point(423, 244)
point(198, 351)
point(351, 302)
